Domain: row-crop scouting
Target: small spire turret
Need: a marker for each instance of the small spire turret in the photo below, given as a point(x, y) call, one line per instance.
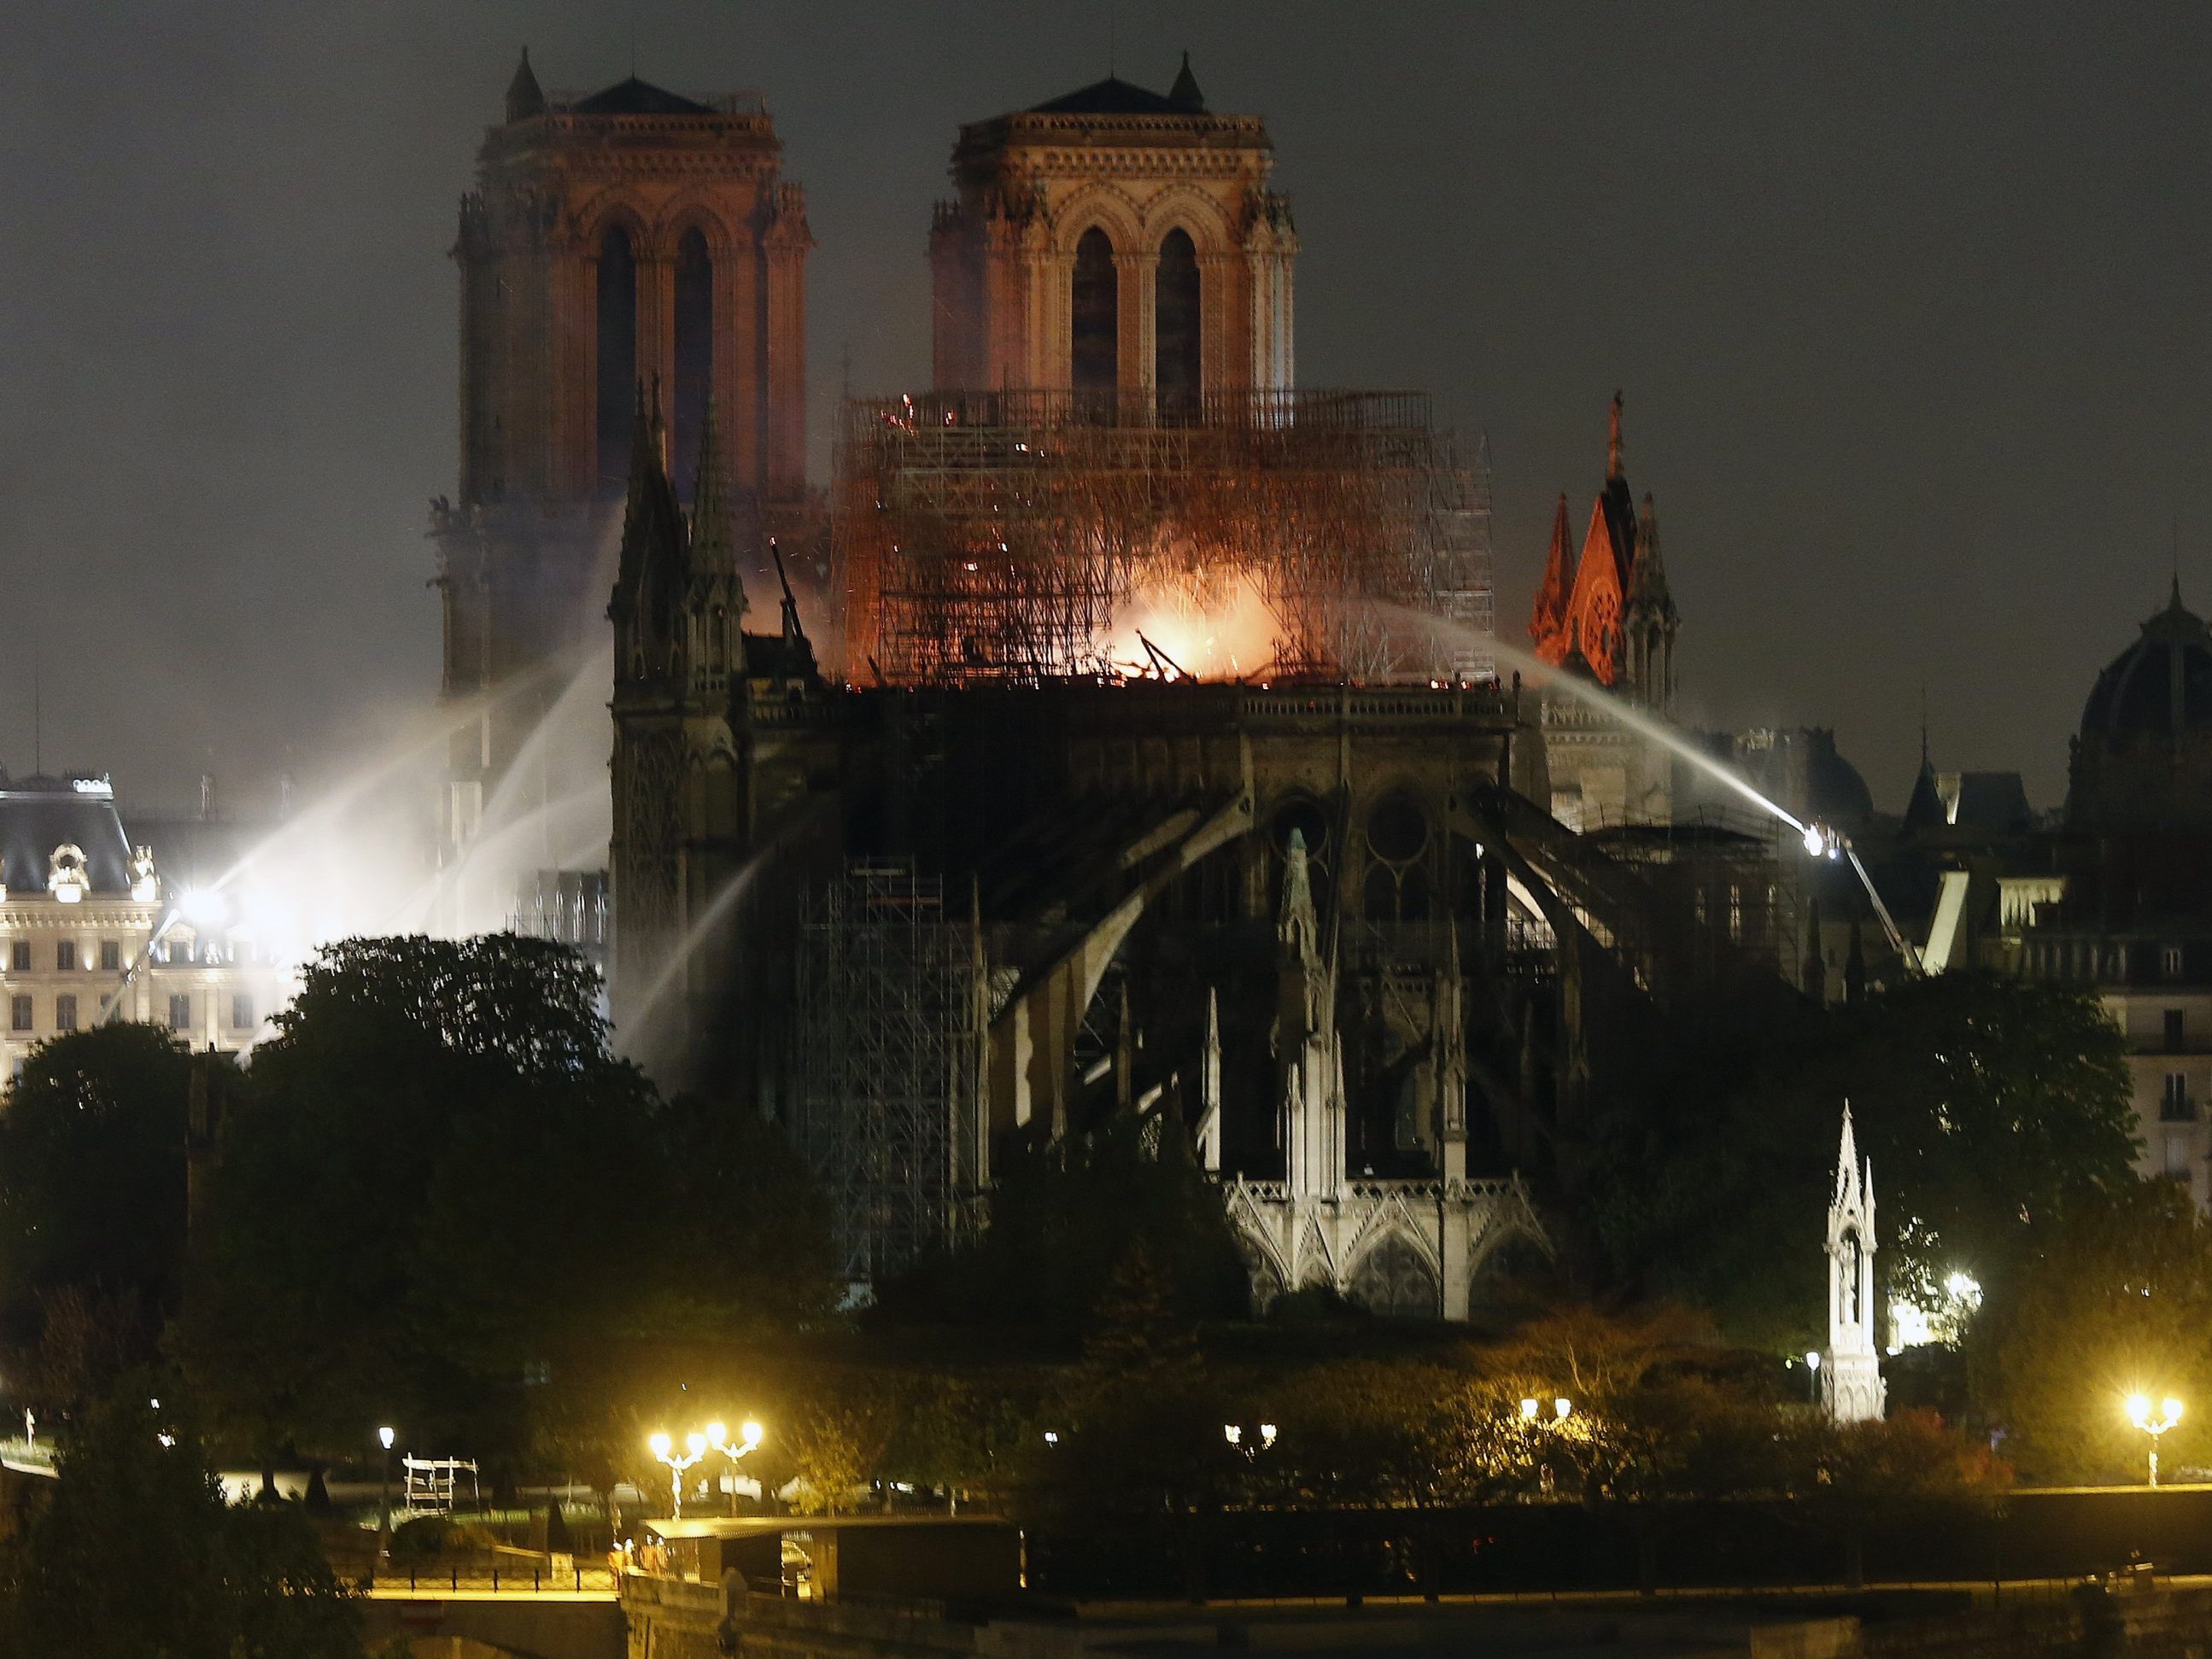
point(1613, 468)
point(1185, 94)
point(525, 98)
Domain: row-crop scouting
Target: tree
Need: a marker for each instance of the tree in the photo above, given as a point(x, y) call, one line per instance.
point(2117, 1301)
point(1065, 1218)
point(93, 1184)
point(438, 1176)
point(1988, 1106)
point(740, 1219)
point(135, 1552)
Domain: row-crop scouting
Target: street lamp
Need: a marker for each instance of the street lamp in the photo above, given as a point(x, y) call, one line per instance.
point(1234, 1434)
point(1813, 1375)
point(749, 1437)
point(384, 1438)
point(2139, 1414)
point(695, 1448)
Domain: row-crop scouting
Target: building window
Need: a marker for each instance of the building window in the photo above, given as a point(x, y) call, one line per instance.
point(1397, 884)
point(617, 353)
point(2174, 1105)
point(66, 1013)
point(18, 956)
point(694, 353)
point(2174, 1030)
point(1175, 315)
point(2170, 960)
point(2177, 1155)
point(110, 955)
point(65, 956)
point(1735, 911)
point(1094, 330)
point(241, 1010)
point(19, 1013)
point(180, 1013)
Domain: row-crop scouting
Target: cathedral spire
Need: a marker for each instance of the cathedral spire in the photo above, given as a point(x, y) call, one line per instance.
point(1612, 462)
point(1547, 621)
point(524, 96)
point(1648, 586)
point(1296, 926)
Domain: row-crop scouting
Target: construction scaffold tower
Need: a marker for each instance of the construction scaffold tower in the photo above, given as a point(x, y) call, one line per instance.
point(890, 1021)
point(1003, 536)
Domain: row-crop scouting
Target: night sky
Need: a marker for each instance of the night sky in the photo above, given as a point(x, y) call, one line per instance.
point(1911, 312)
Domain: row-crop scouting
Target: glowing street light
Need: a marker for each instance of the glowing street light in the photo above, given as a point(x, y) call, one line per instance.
point(1235, 1435)
point(664, 1449)
point(2139, 1413)
point(384, 1437)
point(748, 1439)
point(1813, 1374)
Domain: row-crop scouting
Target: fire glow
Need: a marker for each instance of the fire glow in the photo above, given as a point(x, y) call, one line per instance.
point(1217, 629)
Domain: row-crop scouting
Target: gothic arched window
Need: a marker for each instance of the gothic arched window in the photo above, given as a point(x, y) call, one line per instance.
point(1176, 359)
point(1094, 333)
point(1396, 887)
point(695, 352)
point(617, 353)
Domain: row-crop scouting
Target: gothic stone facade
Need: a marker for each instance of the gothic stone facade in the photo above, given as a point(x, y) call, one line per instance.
point(630, 238)
point(1114, 242)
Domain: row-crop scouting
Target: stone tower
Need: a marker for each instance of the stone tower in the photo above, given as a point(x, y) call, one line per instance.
point(632, 236)
point(1114, 240)
point(1851, 1388)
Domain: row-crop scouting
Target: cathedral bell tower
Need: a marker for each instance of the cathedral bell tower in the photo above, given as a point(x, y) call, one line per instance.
point(1117, 243)
point(628, 236)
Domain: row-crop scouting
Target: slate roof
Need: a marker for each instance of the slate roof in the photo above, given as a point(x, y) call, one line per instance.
point(38, 814)
point(1114, 96)
point(2159, 686)
point(635, 97)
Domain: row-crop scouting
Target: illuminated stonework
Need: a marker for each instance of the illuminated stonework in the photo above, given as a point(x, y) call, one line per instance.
point(1115, 240)
point(1851, 1388)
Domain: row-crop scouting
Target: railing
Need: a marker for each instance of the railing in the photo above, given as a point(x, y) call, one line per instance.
point(431, 1577)
point(746, 100)
point(1041, 409)
point(1433, 1189)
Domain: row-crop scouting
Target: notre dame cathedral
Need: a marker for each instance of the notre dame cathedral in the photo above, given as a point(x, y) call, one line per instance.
point(987, 837)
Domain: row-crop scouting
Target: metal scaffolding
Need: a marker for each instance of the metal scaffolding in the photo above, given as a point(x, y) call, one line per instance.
point(998, 535)
point(891, 1029)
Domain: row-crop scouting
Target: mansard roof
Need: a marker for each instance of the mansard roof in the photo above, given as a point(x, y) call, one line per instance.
point(635, 97)
point(39, 814)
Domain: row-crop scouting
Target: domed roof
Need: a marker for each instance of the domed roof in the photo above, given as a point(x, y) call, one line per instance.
point(1835, 790)
point(2161, 686)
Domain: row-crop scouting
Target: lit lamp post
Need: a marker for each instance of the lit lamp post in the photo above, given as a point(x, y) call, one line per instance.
point(1234, 1434)
point(1532, 1416)
point(695, 1448)
point(1813, 1375)
point(749, 1436)
point(384, 1438)
point(2139, 1409)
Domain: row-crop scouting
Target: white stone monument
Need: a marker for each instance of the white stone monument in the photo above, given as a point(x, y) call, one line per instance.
point(1850, 1371)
